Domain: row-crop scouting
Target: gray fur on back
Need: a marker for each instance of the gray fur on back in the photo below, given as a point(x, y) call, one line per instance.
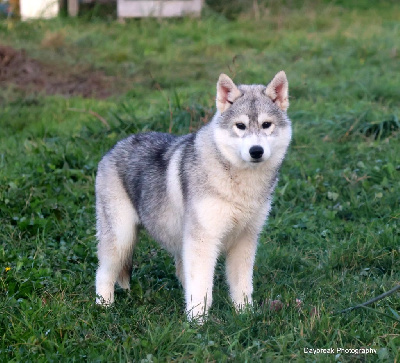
point(142, 162)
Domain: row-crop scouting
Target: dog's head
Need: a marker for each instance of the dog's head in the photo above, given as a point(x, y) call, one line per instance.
point(251, 124)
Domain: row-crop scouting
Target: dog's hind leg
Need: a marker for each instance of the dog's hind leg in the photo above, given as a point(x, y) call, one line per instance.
point(117, 222)
point(124, 276)
point(179, 270)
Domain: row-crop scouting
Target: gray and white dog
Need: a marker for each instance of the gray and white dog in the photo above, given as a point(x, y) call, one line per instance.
point(199, 195)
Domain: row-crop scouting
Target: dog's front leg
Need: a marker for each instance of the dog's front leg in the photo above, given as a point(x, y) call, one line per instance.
point(239, 268)
point(200, 253)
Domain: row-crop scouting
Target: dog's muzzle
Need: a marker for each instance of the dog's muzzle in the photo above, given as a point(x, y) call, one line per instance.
point(256, 152)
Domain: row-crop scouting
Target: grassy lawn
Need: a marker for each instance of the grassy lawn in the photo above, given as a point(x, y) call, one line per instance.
point(332, 240)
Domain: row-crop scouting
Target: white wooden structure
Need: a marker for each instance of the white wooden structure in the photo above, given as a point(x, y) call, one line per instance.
point(35, 9)
point(158, 8)
point(145, 8)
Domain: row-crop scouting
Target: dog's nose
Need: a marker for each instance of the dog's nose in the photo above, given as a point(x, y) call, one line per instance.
point(256, 152)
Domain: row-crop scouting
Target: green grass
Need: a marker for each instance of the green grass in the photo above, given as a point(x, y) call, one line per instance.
point(333, 236)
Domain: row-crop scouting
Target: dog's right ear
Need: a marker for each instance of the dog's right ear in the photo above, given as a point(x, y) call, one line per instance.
point(227, 92)
point(278, 91)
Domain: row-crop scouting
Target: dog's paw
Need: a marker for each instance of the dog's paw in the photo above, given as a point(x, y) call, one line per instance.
point(104, 302)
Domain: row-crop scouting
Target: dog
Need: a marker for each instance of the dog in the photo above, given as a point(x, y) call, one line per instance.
point(199, 195)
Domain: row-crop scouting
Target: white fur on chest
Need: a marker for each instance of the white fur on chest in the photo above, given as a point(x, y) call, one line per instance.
point(233, 204)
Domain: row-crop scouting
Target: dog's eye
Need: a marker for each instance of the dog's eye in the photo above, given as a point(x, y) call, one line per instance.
point(266, 125)
point(241, 126)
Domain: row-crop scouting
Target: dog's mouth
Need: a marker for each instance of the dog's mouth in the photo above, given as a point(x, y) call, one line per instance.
point(256, 161)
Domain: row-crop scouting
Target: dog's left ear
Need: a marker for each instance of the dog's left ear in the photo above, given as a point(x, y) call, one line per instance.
point(227, 92)
point(278, 91)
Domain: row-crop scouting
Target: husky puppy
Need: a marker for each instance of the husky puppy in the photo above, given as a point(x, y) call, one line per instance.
point(199, 195)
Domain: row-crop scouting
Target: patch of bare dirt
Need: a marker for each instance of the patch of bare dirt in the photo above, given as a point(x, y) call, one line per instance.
point(32, 75)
